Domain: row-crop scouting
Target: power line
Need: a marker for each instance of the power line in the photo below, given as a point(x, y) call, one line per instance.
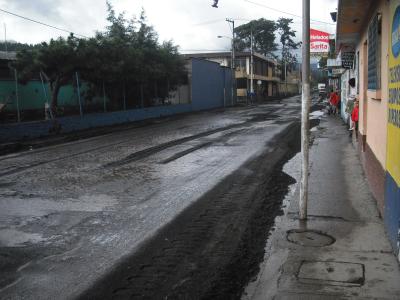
point(287, 13)
point(208, 22)
point(205, 50)
point(249, 20)
point(41, 23)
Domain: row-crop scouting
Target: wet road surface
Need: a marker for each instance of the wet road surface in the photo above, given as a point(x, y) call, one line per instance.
point(73, 215)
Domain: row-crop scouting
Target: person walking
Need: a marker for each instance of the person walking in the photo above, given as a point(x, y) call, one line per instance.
point(354, 117)
point(334, 100)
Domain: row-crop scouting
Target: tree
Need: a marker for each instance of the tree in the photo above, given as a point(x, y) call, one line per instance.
point(127, 52)
point(263, 36)
point(14, 46)
point(132, 55)
point(56, 61)
point(287, 35)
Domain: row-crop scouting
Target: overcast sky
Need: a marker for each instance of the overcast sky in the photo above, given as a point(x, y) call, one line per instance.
point(191, 24)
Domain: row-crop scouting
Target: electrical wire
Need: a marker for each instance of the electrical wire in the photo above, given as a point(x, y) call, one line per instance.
point(209, 22)
point(41, 23)
point(287, 13)
point(204, 50)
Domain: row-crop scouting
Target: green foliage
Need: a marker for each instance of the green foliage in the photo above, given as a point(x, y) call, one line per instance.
point(56, 61)
point(14, 46)
point(322, 63)
point(263, 36)
point(127, 53)
point(287, 35)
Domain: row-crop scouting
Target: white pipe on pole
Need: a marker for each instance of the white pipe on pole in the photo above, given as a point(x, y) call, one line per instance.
point(305, 111)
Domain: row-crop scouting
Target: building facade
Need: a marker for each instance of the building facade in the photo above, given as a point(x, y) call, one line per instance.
point(368, 35)
point(267, 83)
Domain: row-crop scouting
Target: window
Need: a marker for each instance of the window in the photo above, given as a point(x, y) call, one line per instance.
point(374, 53)
point(241, 83)
point(240, 64)
point(257, 67)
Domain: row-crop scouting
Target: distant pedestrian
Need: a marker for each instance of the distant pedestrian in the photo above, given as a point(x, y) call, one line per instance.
point(334, 100)
point(354, 117)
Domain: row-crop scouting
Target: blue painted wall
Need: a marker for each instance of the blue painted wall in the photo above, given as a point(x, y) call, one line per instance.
point(209, 80)
point(392, 211)
point(17, 131)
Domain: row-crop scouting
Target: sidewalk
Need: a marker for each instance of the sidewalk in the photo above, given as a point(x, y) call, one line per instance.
point(341, 251)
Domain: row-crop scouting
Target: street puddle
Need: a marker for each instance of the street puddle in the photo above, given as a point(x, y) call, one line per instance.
point(292, 168)
point(37, 207)
point(16, 238)
point(317, 114)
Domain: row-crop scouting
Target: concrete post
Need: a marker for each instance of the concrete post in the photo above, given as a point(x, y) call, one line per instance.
point(251, 68)
point(305, 111)
point(16, 95)
point(79, 94)
point(104, 98)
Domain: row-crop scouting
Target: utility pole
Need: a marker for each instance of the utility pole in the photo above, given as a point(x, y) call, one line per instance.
point(305, 111)
point(251, 68)
point(233, 59)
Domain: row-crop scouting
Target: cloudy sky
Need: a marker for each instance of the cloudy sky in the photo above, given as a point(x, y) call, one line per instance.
point(192, 24)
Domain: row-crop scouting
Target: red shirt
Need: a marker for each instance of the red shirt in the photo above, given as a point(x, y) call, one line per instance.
point(354, 114)
point(334, 99)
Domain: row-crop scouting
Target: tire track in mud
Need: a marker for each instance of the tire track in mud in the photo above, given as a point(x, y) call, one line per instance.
point(214, 247)
point(158, 148)
point(21, 167)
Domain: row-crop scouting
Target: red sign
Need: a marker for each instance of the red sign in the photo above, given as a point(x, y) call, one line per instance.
point(319, 41)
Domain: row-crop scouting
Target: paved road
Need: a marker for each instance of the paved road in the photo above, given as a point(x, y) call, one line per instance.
point(70, 213)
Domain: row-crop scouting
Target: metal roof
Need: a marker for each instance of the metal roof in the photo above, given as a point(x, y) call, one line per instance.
point(228, 55)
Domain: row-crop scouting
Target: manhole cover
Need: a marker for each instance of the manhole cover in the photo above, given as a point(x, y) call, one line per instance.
point(331, 273)
point(309, 238)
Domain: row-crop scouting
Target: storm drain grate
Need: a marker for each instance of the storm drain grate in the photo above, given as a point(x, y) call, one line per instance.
point(334, 273)
point(309, 238)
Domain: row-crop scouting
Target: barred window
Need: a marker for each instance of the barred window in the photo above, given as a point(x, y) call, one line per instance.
point(374, 53)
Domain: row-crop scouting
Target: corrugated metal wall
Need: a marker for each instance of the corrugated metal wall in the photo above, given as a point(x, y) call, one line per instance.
point(211, 84)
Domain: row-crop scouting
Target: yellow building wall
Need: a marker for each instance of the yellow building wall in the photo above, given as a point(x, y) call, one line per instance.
point(393, 147)
point(373, 124)
point(270, 89)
